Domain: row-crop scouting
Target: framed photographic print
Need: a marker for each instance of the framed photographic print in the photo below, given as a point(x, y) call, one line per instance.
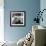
point(17, 18)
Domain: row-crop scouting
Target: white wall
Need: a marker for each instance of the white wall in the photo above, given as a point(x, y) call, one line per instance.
point(43, 6)
point(1, 20)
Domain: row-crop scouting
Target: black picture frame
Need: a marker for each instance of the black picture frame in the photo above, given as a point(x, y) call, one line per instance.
point(17, 18)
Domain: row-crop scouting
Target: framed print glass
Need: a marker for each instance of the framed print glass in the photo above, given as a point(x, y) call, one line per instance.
point(17, 18)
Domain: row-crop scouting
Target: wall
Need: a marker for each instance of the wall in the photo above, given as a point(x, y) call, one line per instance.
point(43, 6)
point(1, 21)
point(30, 6)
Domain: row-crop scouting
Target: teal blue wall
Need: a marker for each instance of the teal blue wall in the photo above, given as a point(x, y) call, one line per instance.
point(30, 6)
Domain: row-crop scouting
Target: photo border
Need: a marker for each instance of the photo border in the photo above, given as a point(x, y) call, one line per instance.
point(24, 19)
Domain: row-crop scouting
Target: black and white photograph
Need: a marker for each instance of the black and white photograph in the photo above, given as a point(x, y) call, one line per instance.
point(17, 18)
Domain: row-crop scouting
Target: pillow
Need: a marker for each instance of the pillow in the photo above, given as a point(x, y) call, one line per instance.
point(28, 39)
point(20, 42)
